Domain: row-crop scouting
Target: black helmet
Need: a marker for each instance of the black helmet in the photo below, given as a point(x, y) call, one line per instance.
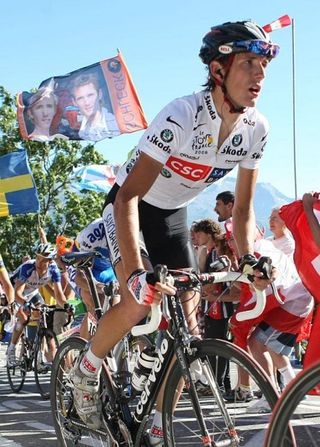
point(232, 32)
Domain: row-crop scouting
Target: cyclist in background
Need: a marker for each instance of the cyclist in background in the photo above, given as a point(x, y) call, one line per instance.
point(91, 238)
point(26, 280)
point(193, 142)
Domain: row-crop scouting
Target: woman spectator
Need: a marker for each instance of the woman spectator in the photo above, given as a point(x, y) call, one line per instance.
point(281, 238)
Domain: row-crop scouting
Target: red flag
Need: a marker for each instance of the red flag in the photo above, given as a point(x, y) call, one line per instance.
point(307, 261)
point(307, 253)
point(282, 22)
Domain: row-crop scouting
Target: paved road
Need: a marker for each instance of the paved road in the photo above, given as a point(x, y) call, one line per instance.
point(25, 419)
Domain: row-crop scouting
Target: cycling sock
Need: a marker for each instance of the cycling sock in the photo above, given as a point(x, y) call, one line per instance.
point(156, 432)
point(245, 388)
point(287, 373)
point(90, 364)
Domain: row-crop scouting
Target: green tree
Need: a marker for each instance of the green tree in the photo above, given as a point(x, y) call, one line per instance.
point(61, 208)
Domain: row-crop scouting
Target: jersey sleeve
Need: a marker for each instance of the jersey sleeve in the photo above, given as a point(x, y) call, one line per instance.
point(24, 271)
point(168, 131)
point(54, 273)
point(258, 141)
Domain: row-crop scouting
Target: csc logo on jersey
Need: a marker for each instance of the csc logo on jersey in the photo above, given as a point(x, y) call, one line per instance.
point(190, 171)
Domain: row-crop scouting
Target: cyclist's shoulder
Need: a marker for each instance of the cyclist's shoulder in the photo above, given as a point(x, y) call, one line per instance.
point(27, 267)
point(254, 120)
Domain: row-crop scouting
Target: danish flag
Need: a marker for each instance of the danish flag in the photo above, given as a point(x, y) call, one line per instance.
point(282, 22)
point(307, 261)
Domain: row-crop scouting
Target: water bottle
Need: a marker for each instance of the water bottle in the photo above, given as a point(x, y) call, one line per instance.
point(143, 368)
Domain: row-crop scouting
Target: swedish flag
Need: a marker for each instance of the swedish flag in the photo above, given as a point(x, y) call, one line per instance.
point(18, 193)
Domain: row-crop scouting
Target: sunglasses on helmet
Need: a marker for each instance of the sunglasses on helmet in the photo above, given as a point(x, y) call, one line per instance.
point(251, 46)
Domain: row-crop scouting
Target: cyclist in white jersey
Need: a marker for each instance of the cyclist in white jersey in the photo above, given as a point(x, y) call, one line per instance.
point(27, 279)
point(193, 142)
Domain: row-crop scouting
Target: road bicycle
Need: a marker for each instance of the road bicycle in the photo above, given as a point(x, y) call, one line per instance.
point(36, 353)
point(298, 408)
point(188, 419)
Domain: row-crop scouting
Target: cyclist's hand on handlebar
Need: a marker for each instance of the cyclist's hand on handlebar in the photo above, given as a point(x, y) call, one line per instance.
point(260, 271)
point(69, 308)
point(145, 289)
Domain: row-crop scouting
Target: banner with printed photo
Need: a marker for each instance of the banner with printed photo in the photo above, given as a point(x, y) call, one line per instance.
point(92, 103)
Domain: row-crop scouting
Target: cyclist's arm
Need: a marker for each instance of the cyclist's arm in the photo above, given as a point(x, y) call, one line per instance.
point(243, 216)
point(19, 289)
point(6, 285)
point(58, 294)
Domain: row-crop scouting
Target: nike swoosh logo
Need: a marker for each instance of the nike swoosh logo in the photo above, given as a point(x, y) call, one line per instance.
point(170, 120)
point(195, 128)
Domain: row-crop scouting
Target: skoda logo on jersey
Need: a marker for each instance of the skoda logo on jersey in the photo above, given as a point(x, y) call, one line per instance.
point(216, 174)
point(165, 173)
point(166, 135)
point(237, 140)
point(156, 141)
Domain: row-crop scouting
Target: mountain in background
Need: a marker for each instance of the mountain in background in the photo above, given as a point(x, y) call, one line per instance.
point(266, 198)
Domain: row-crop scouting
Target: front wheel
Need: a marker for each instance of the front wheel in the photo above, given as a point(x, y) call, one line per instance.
point(17, 373)
point(44, 353)
point(69, 428)
point(299, 406)
point(215, 415)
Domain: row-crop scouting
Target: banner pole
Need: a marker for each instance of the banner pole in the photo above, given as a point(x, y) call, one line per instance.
point(294, 111)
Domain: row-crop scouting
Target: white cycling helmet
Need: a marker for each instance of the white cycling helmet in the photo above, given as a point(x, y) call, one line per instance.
point(46, 250)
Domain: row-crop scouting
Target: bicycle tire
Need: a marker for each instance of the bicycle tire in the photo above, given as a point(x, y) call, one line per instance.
point(43, 365)
point(17, 374)
point(184, 430)
point(68, 432)
point(297, 405)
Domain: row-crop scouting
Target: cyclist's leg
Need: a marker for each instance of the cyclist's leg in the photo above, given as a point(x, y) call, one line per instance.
point(22, 319)
point(112, 327)
point(166, 237)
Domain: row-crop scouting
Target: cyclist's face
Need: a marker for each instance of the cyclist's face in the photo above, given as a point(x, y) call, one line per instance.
point(42, 261)
point(245, 78)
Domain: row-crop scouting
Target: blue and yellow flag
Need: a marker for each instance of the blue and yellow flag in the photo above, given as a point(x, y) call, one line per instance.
point(18, 193)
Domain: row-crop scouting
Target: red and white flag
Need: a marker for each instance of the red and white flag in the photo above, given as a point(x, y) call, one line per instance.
point(307, 261)
point(282, 22)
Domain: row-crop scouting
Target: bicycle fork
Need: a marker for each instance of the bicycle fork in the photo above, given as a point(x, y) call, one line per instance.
point(207, 440)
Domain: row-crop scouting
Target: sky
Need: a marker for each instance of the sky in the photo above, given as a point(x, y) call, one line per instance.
point(160, 42)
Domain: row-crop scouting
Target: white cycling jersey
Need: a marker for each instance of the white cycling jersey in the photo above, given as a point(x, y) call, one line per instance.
point(184, 137)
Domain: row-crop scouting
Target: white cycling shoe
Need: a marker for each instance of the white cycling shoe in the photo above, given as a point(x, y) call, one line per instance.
point(86, 397)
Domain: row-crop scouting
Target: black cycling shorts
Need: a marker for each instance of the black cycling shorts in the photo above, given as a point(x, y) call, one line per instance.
point(165, 232)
